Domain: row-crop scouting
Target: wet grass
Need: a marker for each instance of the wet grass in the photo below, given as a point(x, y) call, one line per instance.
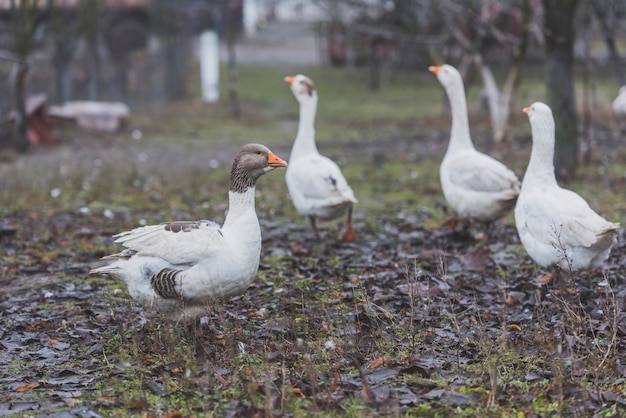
point(314, 320)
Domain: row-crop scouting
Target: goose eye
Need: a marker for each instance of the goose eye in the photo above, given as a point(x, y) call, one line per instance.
point(259, 152)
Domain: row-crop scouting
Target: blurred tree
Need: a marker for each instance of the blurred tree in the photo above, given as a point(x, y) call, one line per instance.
point(492, 29)
point(477, 32)
point(24, 19)
point(62, 29)
point(609, 14)
point(559, 35)
point(231, 34)
point(89, 15)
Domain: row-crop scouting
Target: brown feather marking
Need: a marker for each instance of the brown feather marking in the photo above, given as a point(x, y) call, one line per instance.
point(178, 226)
point(164, 283)
point(310, 87)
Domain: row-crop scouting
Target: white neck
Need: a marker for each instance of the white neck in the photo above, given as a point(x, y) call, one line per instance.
point(304, 145)
point(241, 209)
point(541, 163)
point(460, 138)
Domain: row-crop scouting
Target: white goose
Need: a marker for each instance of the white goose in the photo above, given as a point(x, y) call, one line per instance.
point(555, 225)
point(619, 104)
point(178, 267)
point(316, 184)
point(475, 185)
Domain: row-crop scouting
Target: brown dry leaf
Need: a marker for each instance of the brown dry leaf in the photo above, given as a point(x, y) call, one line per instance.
point(566, 291)
point(515, 298)
point(26, 387)
point(53, 340)
point(40, 325)
point(545, 279)
point(175, 414)
point(378, 362)
point(515, 327)
point(298, 391)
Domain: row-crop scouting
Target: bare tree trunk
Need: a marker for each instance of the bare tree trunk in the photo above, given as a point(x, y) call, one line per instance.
point(609, 39)
point(560, 34)
point(64, 33)
point(586, 110)
point(24, 19)
point(374, 63)
point(91, 12)
point(498, 110)
point(20, 126)
point(235, 109)
point(502, 130)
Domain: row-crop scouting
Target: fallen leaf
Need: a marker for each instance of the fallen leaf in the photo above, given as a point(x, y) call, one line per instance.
point(379, 361)
point(26, 387)
point(545, 279)
point(173, 415)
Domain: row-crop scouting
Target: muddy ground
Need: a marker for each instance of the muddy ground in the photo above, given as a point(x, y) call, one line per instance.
point(413, 318)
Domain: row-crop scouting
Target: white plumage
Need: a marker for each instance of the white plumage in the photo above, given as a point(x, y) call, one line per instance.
point(316, 184)
point(555, 225)
point(619, 104)
point(179, 267)
point(474, 184)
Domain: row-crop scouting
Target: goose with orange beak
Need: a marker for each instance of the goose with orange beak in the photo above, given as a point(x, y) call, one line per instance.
point(178, 267)
point(316, 184)
point(477, 186)
point(556, 226)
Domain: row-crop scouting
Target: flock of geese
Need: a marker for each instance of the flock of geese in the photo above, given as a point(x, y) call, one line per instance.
point(177, 267)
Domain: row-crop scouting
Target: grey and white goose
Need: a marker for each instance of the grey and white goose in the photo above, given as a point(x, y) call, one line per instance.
point(178, 267)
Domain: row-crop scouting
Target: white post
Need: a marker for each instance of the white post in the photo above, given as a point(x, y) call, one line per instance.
point(250, 16)
point(210, 66)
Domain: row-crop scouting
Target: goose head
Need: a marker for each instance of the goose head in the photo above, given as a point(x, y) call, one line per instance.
point(449, 77)
point(252, 161)
point(302, 87)
point(541, 123)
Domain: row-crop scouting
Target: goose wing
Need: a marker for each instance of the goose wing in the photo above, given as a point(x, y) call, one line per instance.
point(180, 242)
point(481, 173)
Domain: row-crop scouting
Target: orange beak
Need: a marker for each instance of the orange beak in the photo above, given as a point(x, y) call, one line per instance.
point(274, 161)
point(435, 69)
point(526, 109)
point(290, 79)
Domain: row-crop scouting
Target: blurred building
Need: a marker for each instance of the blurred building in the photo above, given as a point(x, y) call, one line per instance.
point(134, 51)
